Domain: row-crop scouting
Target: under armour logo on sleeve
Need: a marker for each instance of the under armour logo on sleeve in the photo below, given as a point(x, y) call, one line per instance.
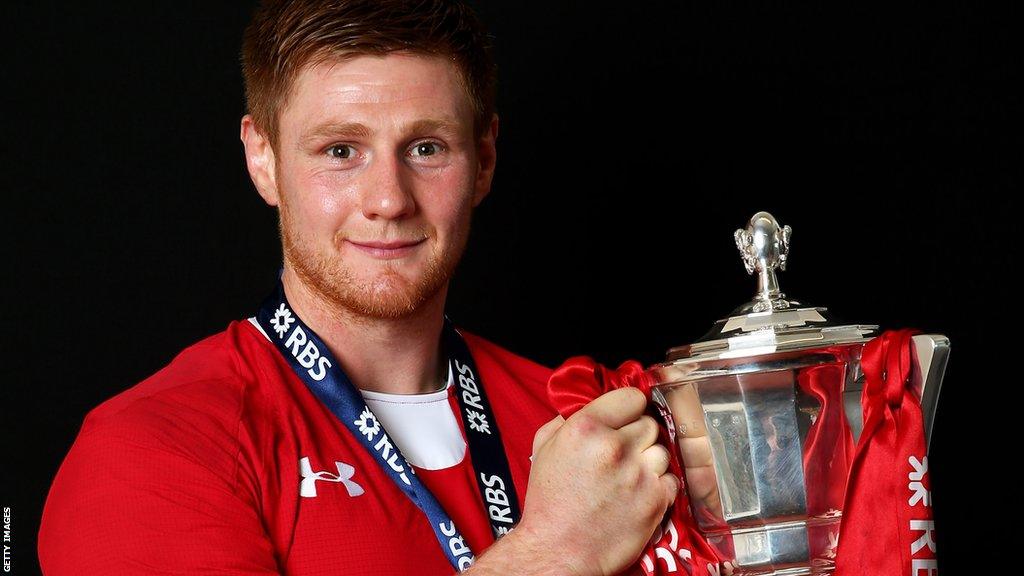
point(309, 478)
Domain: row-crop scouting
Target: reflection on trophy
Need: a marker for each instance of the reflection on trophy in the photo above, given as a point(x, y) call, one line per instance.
point(766, 411)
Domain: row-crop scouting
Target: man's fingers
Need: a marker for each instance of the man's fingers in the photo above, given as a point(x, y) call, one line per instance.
point(687, 411)
point(655, 459)
point(545, 432)
point(617, 408)
point(641, 433)
point(671, 486)
point(695, 451)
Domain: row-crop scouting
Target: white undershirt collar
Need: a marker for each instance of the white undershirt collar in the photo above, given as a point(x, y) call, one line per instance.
point(423, 426)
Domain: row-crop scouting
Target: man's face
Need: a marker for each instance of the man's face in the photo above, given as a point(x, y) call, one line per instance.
point(376, 176)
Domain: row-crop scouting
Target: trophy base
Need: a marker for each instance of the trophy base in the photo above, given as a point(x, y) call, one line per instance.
point(797, 571)
point(792, 548)
point(800, 571)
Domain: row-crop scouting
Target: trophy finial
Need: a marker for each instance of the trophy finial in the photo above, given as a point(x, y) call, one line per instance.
point(764, 246)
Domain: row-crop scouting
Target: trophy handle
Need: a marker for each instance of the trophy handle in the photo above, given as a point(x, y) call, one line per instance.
point(931, 353)
point(929, 358)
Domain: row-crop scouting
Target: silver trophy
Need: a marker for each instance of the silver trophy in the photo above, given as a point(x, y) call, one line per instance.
point(764, 409)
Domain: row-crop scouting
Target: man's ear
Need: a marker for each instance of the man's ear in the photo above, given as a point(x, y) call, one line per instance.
point(259, 159)
point(486, 157)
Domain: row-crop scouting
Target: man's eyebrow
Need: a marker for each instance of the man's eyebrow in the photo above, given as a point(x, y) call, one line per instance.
point(435, 125)
point(336, 129)
point(357, 130)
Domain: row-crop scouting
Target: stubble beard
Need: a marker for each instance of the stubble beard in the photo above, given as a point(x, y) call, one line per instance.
point(387, 295)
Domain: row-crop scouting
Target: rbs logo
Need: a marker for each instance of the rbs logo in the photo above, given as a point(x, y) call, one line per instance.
point(498, 508)
point(309, 356)
point(304, 351)
point(457, 546)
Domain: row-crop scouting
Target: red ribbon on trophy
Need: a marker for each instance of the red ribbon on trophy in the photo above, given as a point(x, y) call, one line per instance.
point(828, 448)
point(678, 547)
point(887, 525)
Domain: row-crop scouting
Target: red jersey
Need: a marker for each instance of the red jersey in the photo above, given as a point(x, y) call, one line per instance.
point(211, 466)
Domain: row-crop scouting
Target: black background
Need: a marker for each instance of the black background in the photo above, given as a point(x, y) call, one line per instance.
point(634, 139)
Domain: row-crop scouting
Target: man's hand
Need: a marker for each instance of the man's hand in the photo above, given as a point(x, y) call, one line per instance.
point(598, 489)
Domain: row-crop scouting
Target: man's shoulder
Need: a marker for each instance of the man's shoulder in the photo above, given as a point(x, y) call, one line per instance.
point(205, 382)
point(186, 419)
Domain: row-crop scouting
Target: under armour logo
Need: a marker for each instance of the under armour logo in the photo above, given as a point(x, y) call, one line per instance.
point(309, 478)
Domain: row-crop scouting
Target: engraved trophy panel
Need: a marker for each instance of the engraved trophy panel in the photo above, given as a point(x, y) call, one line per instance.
point(766, 415)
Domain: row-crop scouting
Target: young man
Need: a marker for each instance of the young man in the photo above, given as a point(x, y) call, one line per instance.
point(348, 427)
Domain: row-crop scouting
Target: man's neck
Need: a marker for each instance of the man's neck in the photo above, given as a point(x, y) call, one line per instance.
point(391, 355)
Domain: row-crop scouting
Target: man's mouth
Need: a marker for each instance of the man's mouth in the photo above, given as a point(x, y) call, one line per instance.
point(387, 250)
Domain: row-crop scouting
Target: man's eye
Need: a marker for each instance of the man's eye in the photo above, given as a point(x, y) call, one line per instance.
point(340, 151)
point(426, 149)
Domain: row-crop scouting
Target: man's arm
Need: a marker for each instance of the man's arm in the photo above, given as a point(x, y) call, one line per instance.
point(598, 489)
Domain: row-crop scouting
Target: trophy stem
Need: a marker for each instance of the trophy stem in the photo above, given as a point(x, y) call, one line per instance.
point(768, 285)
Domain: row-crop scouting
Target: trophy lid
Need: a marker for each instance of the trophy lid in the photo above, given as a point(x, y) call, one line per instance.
point(770, 322)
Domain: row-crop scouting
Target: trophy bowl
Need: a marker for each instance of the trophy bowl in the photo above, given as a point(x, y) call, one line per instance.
point(765, 412)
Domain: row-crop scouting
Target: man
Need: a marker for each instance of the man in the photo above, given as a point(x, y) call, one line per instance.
point(348, 427)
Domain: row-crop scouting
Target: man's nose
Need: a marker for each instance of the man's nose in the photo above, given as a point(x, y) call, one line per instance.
point(388, 192)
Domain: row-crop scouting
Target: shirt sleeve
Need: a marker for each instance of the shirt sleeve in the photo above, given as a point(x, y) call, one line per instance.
point(147, 492)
